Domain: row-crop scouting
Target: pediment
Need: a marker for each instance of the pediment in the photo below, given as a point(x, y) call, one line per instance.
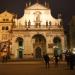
point(6, 14)
point(37, 6)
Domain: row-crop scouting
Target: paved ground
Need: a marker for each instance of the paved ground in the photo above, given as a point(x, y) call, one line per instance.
point(34, 68)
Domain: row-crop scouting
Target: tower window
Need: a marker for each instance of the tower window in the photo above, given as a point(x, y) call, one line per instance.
point(7, 19)
point(3, 19)
point(3, 28)
point(7, 28)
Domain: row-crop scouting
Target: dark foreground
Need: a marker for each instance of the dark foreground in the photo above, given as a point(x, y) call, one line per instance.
point(34, 69)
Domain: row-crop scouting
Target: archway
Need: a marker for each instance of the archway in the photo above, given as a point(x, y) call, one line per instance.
point(57, 41)
point(39, 45)
point(19, 40)
point(38, 52)
point(58, 46)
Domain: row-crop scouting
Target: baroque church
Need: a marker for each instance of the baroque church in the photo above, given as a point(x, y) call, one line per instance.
point(35, 33)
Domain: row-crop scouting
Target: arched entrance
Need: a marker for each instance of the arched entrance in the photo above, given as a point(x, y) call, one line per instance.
point(58, 46)
point(38, 52)
point(39, 45)
point(19, 40)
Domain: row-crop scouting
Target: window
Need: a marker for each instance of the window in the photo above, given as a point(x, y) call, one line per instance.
point(20, 43)
point(7, 19)
point(3, 28)
point(3, 19)
point(7, 28)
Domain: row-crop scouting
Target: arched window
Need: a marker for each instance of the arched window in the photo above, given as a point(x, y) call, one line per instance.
point(20, 41)
point(7, 28)
point(7, 19)
point(3, 19)
point(3, 28)
point(39, 45)
point(56, 40)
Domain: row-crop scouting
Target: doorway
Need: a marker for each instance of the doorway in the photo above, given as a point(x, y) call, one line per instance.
point(20, 47)
point(38, 52)
point(39, 45)
point(58, 46)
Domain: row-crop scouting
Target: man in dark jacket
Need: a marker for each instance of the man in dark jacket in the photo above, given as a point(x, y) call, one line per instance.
point(46, 59)
point(72, 61)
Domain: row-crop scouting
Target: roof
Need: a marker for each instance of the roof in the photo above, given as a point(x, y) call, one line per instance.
point(37, 6)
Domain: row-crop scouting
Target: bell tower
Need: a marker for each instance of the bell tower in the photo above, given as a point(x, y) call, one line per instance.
point(6, 23)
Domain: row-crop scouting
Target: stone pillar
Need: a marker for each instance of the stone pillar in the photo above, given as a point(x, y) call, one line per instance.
point(49, 43)
point(28, 49)
point(63, 43)
point(14, 50)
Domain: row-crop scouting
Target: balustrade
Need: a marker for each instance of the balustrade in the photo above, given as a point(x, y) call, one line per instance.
point(35, 27)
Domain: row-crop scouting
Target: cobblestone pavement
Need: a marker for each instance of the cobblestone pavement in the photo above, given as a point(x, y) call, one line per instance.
point(34, 68)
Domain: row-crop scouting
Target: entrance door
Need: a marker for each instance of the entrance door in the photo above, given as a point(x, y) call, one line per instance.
point(20, 54)
point(39, 45)
point(38, 52)
point(20, 47)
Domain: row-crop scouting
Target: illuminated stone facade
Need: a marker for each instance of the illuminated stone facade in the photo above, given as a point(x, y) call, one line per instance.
point(34, 34)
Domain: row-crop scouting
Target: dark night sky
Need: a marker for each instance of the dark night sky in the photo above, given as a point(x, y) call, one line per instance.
point(66, 7)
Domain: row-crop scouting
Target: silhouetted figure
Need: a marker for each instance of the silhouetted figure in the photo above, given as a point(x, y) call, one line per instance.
point(56, 60)
point(4, 54)
point(72, 61)
point(4, 57)
point(56, 56)
point(67, 57)
point(46, 59)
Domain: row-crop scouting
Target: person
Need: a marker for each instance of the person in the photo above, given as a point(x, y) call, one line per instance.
point(56, 56)
point(67, 57)
point(4, 55)
point(71, 61)
point(56, 60)
point(46, 59)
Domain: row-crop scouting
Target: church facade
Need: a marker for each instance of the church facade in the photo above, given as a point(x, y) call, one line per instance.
point(34, 34)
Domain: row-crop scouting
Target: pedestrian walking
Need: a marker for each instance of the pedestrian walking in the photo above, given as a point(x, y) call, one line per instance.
point(56, 56)
point(56, 60)
point(4, 55)
point(67, 57)
point(46, 59)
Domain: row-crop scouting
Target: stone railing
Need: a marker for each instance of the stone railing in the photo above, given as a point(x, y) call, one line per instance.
point(34, 27)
